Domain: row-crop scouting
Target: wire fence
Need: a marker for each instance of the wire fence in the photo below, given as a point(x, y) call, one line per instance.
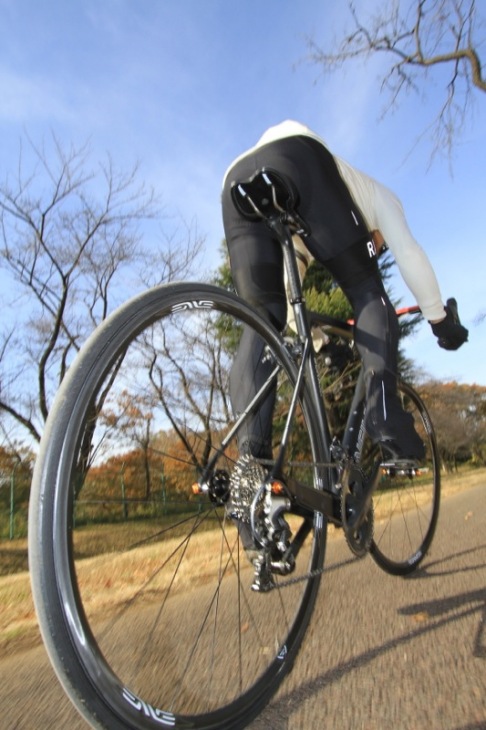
point(125, 499)
point(14, 502)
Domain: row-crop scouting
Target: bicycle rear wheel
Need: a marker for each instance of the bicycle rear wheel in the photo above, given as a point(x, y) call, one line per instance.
point(143, 588)
point(406, 502)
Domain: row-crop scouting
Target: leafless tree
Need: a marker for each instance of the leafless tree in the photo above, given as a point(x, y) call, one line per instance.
point(417, 36)
point(189, 378)
point(458, 412)
point(71, 248)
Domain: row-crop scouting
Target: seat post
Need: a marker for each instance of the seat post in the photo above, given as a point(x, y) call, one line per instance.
point(296, 296)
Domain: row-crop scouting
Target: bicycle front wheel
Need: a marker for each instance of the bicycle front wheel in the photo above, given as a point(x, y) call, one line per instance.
point(143, 587)
point(406, 502)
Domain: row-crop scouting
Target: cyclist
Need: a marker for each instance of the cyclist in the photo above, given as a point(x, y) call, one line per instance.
point(350, 217)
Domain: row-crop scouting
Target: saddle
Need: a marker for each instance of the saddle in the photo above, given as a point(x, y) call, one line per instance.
point(268, 194)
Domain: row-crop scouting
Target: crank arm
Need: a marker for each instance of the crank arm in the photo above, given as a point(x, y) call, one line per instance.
point(312, 499)
point(367, 498)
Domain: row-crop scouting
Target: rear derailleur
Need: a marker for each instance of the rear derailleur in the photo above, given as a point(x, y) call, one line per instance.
point(274, 555)
point(256, 504)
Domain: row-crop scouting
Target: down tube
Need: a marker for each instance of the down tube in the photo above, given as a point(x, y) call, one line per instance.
point(318, 419)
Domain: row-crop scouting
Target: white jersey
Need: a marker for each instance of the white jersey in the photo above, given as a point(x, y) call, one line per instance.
point(382, 211)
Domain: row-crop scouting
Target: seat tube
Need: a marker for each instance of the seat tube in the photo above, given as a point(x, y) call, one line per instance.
point(296, 299)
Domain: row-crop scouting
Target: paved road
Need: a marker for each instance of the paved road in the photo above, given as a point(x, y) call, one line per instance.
point(381, 653)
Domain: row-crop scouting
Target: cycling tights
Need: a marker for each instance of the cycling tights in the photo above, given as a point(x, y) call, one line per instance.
point(376, 334)
point(339, 239)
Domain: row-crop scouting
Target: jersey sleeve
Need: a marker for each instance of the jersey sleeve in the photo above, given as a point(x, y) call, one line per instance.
point(413, 263)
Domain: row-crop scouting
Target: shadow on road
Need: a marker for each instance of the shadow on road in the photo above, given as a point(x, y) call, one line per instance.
point(435, 614)
point(431, 609)
point(428, 570)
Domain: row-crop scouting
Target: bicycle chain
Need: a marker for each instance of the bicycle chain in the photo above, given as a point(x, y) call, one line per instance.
point(291, 581)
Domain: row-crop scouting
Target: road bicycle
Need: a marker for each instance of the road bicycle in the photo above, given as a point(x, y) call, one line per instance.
point(190, 614)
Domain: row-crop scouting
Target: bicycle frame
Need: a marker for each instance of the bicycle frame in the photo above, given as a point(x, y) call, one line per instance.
point(339, 456)
point(270, 198)
point(218, 667)
point(327, 500)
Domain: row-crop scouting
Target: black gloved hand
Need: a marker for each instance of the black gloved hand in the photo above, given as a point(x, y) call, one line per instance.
point(450, 332)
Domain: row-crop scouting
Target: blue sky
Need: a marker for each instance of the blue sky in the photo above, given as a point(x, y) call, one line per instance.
point(184, 87)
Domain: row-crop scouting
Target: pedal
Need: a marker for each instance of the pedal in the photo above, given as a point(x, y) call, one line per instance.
point(402, 467)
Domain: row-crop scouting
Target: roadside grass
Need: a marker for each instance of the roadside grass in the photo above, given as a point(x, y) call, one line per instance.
point(108, 578)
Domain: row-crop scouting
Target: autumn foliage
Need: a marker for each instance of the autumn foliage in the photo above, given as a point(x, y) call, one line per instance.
point(458, 412)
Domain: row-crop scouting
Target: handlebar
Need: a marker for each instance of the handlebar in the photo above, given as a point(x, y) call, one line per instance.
point(413, 309)
point(345, 328)
point(452, 306)
point(401, 311)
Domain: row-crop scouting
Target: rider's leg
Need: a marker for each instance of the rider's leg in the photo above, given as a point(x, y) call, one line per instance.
point(257, 270)
point(249, 372)
point(339, 239)
point(376, 337)
point(257, 261)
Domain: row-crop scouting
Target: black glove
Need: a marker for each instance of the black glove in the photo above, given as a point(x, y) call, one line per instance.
point(450, 332)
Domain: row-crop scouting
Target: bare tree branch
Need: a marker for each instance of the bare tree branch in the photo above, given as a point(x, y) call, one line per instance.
point(70, 236)
point(417, 37)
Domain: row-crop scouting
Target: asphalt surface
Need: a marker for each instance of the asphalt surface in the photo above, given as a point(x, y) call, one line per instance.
point(381, 652)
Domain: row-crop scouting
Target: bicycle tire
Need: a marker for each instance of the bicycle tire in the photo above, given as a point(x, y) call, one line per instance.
point(116, 635)
point(406, 506)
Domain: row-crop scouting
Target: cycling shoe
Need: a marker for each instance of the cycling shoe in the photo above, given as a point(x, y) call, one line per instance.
point(389, 424)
